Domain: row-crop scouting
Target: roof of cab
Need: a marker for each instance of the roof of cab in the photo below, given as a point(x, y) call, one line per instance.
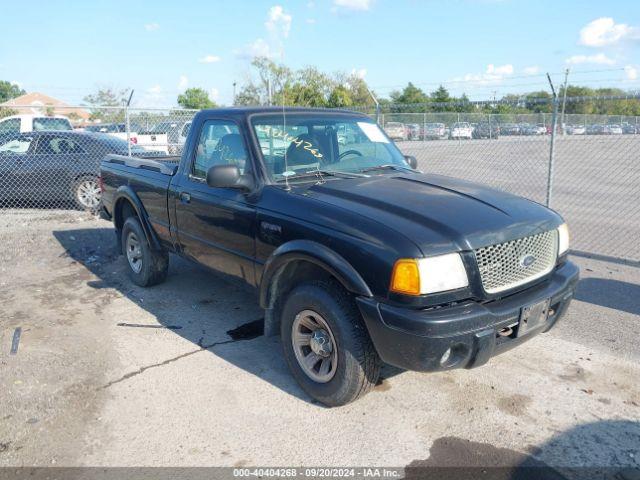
point(246, 111)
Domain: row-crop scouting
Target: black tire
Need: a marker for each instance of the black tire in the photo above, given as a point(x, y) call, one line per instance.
point(358, 364)
point(86, 193)
point(153, 265)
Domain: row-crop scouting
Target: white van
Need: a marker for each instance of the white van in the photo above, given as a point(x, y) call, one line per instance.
point(33, 123)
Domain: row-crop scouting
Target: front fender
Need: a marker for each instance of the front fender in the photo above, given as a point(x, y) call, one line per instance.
point(318, 254)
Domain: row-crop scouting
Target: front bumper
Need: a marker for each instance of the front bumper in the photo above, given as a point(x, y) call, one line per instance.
point(417, 339)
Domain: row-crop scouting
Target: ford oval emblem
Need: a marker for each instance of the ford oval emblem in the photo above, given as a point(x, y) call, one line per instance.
point(527, 260)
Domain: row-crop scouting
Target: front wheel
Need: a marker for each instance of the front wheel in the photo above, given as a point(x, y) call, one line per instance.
point(326, 344)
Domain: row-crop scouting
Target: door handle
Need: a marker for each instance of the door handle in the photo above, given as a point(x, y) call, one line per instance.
point(185, 197)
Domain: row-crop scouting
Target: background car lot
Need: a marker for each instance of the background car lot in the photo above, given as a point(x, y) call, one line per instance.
point(103, 368)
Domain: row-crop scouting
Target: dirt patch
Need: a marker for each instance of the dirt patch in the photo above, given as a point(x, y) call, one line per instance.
point(515, 405)
point(457, 458)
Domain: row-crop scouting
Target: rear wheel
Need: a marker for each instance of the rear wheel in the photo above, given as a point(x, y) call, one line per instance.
point(146, 267)
point(86, 193)
point(326, 344)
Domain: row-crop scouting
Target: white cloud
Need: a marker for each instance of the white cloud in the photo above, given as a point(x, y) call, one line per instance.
point(214, 94)
point(359, 72)
point(354, 5)
point(604, 31)
point(153, 96)
point(258, 48)
point(531, 70)
point(597, 59)
point(278, 22)
point(493, 74)
point(183, 82)
point(499, 70)
point(209, 59)
point(151, 27)
point(311, 21)
point(631, 72)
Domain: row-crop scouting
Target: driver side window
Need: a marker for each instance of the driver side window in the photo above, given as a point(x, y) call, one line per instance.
point(220, 143)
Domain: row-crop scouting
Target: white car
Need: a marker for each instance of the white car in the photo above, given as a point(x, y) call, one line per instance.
point(395, 131)
point(33, 123)
point(461, 130)
point(576, 130)
point(116, 130)
point(615, 129)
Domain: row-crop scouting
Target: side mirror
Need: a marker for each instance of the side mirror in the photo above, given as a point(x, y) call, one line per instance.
point(412, 161)
point(228, 176)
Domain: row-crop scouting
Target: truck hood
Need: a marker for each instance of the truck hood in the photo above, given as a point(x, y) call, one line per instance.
point(439, 214)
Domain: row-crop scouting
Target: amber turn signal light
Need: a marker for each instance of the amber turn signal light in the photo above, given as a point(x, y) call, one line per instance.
point(405, 278)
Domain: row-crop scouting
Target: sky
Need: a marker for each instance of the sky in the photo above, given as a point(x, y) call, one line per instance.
point(484, 48)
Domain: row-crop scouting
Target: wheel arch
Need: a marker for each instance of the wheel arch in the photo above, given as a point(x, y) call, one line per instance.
point(301, 260)
point(126, 204)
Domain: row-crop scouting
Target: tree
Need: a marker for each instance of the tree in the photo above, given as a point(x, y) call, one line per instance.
point(411, 95)
point(340, 97)
point(195, 98)
point(107, 97)
point(539, 102)
point(9, 90)
point(276, 84)
point(441, 95)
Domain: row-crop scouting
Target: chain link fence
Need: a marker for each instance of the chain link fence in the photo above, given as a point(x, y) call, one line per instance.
point(52, 161)
point(587, 168)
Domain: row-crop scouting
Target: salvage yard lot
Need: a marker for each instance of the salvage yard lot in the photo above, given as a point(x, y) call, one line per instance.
point(84, 390)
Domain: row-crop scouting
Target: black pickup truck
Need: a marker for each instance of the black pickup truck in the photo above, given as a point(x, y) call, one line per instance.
point(357, 258)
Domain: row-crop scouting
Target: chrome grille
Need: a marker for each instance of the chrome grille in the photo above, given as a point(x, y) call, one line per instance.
point(511, 264)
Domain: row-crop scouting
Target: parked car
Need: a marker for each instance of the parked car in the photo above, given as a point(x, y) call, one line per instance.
point(358, 259)
point(629, 129)
point(598, 129)
point(116, 130)
point(526, 129)
point(486, 130)
point(615, 129)
point(576, 130)
point(461, 130)
point(395, 131)
point(413, 131)
point(168, 136)
point(510, 129)
point(541, 129)
point(33, 123)
point(435, 131)
point(56, 166)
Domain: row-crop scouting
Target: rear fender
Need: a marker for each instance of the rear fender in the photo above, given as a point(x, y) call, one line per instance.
point(124, 193)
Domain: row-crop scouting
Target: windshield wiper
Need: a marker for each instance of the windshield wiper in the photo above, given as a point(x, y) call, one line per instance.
point(321, 173)
point(387, 167)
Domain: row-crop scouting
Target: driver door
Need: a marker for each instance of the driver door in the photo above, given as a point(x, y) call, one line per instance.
point(216, 225)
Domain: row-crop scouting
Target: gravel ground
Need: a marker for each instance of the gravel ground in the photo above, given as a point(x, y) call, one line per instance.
point(174, 388)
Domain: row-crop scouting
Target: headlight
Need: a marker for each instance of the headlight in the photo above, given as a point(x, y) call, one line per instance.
point(419, 276)
point(563, 238)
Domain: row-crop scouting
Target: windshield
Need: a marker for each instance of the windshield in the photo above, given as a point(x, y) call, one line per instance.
point(51, 123)
point(295, 144)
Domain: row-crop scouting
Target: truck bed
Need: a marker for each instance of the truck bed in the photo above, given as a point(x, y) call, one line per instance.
point(166, 165)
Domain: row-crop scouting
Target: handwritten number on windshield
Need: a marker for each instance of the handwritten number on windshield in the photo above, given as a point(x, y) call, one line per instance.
point(275, 132)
